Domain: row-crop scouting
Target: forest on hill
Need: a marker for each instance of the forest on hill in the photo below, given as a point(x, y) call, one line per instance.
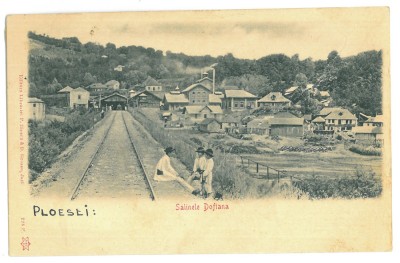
point(354, 82)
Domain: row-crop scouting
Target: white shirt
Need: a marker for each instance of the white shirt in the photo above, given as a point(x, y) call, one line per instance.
point(199, 163)
point(209, 168)
point(165, 165)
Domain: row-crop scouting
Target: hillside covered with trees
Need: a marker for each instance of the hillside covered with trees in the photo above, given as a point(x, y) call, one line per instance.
point(354, 82)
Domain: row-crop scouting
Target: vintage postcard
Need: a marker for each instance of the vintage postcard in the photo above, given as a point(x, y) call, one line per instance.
point(192, 132)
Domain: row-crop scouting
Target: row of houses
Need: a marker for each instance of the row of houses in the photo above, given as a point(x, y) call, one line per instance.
point(286, 124)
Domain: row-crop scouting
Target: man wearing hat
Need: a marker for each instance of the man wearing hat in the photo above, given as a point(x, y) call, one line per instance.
point(199, 166)
point(164, 170)
point(207, 175)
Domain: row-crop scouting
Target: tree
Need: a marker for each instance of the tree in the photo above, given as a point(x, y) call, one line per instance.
point(301, 81)
point(89, 79)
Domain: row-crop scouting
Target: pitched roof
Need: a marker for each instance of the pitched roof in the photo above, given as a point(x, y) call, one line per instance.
point(367, 130)
point(324, 93)
point(291, 90)
point(195, 109)
point(274, 97)
point(208, 121)
point(35, 100)
point(151, 82)
point(79, 89)
point(97, 86)
point(230, 87)
point(212, 98)
point(239, 94)
point(378, 118)
point(111, 82)
point(205, 78)
point(114, 94)
point(286, 121)
point(259, 123)
point(157, 94)
point(341, 114)
point(215, 109)
point(194, 86)
point(327, 110)
point(65, 90)
point(175, 98)
point(318, 119)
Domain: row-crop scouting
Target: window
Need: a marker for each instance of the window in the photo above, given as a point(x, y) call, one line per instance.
point(205, 116)
point(241, 104)
point(79, 97)
point(195, 116)
point(34, 105)
point(193, 101)
point(204, 101)
point(236, 104)
point(339, 122)
point(193, 92)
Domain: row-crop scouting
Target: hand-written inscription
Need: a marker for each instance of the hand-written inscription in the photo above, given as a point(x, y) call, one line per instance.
point(39, 211)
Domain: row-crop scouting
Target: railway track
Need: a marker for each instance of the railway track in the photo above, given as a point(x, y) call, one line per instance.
point(81, 186)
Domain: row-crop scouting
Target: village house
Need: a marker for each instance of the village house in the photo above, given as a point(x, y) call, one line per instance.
point(119, 68)
point(318, 124)
point(36, 109)
point(174, 101)
point(112, 84)
point(79, 97)
point(286, 127)
point(197, 113)
point(229, 122)
point(97, 87)
point(146, 99)
point(151, 84)
point(310, 88)
point(338, 119)
point(376, 121)
point(274, 100)
point(210, 126)
point(324, 94)
point(237, 100)
point(368, 133)
point(259, 125)
point(65, 92)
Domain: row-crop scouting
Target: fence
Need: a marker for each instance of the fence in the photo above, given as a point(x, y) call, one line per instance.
point(261, 170)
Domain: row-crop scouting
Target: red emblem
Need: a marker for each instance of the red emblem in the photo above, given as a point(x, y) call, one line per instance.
point(25, 243)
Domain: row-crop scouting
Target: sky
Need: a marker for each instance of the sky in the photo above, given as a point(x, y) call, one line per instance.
point(247, 34)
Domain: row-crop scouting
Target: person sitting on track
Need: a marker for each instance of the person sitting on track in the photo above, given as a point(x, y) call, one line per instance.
point(164, 170)
point(198, 167)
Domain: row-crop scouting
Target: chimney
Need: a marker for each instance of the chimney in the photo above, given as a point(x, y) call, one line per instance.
point(204, 75)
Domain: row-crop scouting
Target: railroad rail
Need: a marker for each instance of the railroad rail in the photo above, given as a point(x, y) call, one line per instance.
point(146, 177)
